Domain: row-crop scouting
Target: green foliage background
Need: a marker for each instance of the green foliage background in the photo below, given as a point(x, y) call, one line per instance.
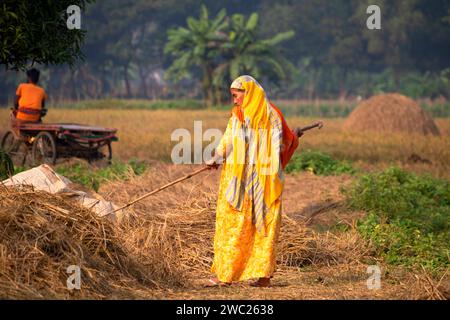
point(327, 51)
point(408, 217)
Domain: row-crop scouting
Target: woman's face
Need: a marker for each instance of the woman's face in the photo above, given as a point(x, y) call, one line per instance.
point(238, 97)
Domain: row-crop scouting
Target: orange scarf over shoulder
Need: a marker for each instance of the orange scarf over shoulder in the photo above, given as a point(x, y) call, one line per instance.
point(290, 140)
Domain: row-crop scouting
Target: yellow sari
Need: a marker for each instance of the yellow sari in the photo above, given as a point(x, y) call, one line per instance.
point(248, 211)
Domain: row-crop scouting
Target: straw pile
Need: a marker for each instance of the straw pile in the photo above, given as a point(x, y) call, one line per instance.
point(183, 217)
point(178, 223)
point(43, 234)
point(390, 113)
point(160, 248)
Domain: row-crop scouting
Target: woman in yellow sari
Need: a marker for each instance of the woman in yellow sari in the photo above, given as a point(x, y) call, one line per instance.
point(255, 148)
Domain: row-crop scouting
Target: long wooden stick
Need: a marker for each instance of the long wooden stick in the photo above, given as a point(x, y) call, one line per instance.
point(161, 188)
point(312, 126)
point(317, 124)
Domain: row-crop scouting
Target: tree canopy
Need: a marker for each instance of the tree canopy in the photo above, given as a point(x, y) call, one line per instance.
point(328, 51)
point(36, 32)
point(223, 48)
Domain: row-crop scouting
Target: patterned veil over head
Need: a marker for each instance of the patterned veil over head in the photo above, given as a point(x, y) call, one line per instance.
point(255, 153)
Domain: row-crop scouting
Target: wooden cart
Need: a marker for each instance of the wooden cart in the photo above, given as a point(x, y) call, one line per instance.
point(47, 142)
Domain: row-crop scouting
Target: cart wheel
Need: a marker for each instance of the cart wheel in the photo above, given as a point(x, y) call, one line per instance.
point(16, 148)
point(44, 149)
point(9, 141)
point(109, 154)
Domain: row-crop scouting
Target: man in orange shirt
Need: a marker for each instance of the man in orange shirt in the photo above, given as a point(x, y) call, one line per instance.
point(29, 104)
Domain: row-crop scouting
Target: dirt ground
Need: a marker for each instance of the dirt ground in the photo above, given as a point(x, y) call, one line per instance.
point(312, 199)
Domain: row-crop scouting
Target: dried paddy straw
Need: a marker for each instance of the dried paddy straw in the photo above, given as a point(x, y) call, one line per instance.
point(157, 249)
point(43, 234)
point(182, 220)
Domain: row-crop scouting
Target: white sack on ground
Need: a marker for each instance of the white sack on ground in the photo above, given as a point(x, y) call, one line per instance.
point(45, 179)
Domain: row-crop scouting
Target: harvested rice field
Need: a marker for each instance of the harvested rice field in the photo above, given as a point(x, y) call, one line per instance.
point(163, 247)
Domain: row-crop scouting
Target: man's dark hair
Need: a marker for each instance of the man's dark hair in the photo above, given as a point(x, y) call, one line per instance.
point(33, 75)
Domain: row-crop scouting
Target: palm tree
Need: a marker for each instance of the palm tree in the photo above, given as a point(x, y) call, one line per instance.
point(223, 48)
point(197, 45)
point(245, 54)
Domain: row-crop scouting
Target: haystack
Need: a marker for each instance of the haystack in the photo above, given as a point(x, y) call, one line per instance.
point(43, 234)
point(390, 113)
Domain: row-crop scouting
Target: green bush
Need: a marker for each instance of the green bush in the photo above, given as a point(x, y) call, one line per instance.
point(437, 110)
point(92, 178)
point(319, 163)
point(408, 216)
